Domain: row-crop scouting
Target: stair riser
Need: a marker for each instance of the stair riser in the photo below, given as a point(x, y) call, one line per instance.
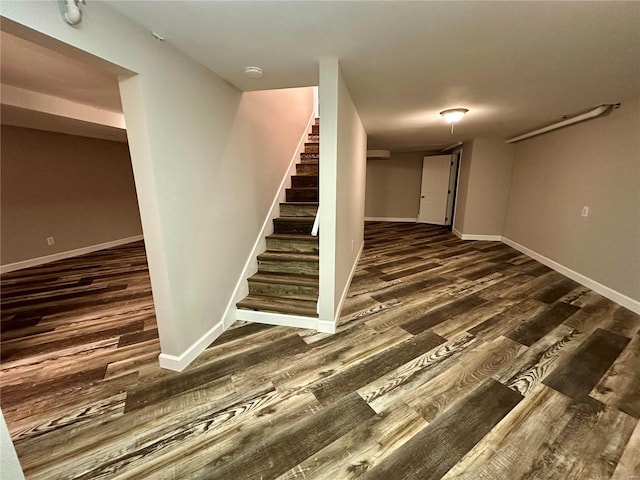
point(293, 246)
point(302, 227)
point(309, 156)
point(315, 129)
point(294, 195)
point(315, 138)
point(288, 266)
point(288, 210)
point(311, 148)
point(304, 169)
point(283, 291)
point(304, 181)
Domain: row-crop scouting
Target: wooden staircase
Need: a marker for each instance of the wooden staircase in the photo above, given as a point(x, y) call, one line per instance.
point(287, 278)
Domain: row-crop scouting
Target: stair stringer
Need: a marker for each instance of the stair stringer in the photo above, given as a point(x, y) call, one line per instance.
point(241, 289)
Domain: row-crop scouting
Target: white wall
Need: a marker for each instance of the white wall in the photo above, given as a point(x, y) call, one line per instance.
point(343, 146)
point(594, 164)
point(207, 162)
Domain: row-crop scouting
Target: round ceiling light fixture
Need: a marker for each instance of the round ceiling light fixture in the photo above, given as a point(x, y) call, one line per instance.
point(254, 72)
point(453, 115)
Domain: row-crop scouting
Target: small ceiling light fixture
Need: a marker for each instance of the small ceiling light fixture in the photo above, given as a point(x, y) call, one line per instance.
point(254, 72)
point(453, 115)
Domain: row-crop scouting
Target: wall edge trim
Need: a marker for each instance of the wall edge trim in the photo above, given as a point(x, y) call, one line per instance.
point(177, 363)
point(343, 297)
point(33, 262)
point(608, 292)
point(472, 236)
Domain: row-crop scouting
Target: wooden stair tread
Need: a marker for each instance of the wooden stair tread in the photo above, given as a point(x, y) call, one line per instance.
point(292, 236)
point(302, 204)
point(291, 306)
point(286, 278)
point(287, 256)
point(296, 219)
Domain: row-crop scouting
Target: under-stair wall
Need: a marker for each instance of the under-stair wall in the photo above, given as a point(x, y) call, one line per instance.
point(267, 239)
point(285, 289)
point(343, 144)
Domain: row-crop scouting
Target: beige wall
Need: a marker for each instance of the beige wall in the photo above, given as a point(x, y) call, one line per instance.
point(207, 163)
point(78, 190)
point(483, 193)
point(393, 186)
point(594, 164)
point(343, 146)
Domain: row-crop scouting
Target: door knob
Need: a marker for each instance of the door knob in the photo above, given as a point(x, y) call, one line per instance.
point(422, 196)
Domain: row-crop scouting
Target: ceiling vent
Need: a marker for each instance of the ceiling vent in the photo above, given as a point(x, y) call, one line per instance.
point(378, 154)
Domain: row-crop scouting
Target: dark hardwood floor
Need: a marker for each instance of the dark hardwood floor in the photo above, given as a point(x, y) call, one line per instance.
point(452, 360)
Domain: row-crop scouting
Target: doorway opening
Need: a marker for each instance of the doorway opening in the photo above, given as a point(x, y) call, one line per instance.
point(438, 189)
point(76, 295)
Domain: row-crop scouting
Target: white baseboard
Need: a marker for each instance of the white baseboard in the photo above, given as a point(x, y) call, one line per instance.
point(178, 363)
point(603, 290)
point(487, 238)
point(325, 326)
point(457, 233)
point(241, 289)
point(390, 219)
point(11, 267)
point(282, 319)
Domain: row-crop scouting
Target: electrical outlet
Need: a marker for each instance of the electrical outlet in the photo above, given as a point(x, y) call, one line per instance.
point(50, 241)
point(585, 211)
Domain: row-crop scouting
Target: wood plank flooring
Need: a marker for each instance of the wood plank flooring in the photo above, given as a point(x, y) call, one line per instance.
point(452, 360)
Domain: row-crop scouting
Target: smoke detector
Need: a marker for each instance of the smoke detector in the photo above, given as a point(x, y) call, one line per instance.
point(254, 72)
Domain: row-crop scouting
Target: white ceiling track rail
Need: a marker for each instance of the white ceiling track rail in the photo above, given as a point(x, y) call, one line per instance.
point(596, 112)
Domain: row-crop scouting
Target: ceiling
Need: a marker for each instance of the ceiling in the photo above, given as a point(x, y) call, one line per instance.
point(36, 68)
point(514, 65)
point(33, 67)
point(22, 117)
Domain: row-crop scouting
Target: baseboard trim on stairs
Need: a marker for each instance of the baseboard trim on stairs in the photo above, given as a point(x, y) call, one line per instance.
point(327, 326)
point(390, 219)
point(33, 262)
point(177, 363)
point(241, 289)
point(272, 318)
point(597, 287)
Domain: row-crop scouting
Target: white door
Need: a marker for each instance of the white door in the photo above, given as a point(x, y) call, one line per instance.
point(434, 190)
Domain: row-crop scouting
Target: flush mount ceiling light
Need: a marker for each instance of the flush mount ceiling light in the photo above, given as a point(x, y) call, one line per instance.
point(454, 115)
point(253, 72)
